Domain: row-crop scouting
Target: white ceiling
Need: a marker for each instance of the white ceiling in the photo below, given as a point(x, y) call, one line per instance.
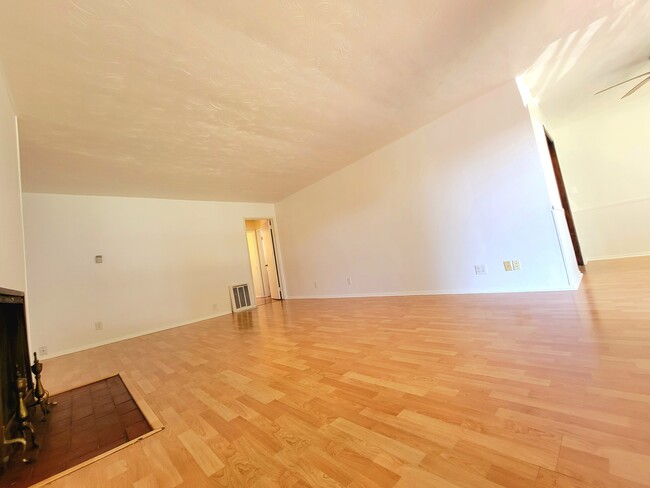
point(250, 100)
point(568, 74)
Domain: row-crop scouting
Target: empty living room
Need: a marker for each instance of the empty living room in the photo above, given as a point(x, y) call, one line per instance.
point(314, 243)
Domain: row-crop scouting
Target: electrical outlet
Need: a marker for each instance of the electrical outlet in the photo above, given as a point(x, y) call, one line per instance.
point(516, 265)
point(99, 326)
point(42, 351)
point(215, 307)
point(480, 269)
point(507, 265)
point(349, 280)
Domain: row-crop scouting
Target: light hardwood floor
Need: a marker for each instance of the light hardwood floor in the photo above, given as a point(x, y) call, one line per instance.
point(516, 390)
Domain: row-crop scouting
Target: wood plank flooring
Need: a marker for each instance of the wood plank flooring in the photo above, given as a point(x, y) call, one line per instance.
point(514, 390)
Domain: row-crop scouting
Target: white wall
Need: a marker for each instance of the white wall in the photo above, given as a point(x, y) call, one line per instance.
point(166, 263)
point(12, 256)
point(605, 160)
point(417, 215)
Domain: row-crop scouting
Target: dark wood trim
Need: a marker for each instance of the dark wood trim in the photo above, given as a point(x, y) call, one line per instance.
point(564, 198)
point(13, 293)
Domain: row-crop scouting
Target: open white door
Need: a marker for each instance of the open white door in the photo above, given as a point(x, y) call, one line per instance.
point(256, 267)
point(271, 264)
point(262, 259)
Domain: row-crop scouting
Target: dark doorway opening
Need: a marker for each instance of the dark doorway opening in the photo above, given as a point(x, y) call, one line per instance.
point(263, 259)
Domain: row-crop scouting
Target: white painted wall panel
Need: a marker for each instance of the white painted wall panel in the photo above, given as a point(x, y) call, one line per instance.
point(417, 215)
point(165, 263)
point(605, 160)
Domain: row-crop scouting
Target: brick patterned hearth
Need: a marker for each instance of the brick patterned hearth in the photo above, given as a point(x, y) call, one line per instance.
point(87, 422)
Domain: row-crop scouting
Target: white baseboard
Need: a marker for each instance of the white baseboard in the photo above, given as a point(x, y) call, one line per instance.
point(433, 292)
point(131, 336)
point(618, 256)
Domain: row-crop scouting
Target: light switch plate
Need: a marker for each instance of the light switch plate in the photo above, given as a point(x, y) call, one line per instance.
point(507, 265)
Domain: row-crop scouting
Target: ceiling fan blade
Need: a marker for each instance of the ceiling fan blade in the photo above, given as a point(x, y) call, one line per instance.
point(636, 87)
point(623, 82)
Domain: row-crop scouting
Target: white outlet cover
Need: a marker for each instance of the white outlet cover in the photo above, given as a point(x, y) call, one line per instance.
point(42, 350)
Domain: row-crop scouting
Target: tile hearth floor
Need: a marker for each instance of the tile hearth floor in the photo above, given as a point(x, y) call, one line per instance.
point(87, 421)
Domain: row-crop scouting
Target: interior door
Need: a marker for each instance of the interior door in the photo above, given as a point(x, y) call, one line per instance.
point(256, 266)
point(271, 263)
point(262, 259)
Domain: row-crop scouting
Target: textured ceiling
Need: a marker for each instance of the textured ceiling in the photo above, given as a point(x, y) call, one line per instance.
point(249, 100)
point(569, 72)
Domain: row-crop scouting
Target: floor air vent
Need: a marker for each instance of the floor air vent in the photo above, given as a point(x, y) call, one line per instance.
point(240, 298)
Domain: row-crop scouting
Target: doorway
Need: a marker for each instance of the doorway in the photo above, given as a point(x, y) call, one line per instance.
point(564, 198)
point(263, 260)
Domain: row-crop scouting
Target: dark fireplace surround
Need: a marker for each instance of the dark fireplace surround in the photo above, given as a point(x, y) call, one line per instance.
point(14, 363)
